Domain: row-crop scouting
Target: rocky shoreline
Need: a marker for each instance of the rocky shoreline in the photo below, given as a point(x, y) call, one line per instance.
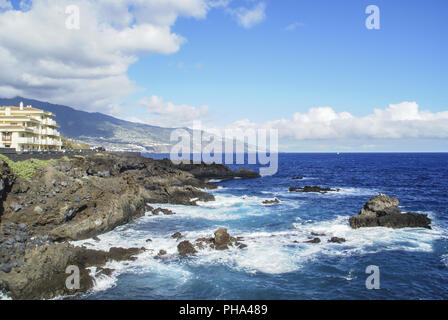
point(82, 197)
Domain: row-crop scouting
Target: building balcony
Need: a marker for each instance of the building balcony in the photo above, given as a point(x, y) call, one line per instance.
point(27, 141)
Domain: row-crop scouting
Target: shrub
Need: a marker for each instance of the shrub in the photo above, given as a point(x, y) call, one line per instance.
point(26, 169)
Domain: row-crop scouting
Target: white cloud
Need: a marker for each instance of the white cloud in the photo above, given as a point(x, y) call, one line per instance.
point(170, 115)
point(5, 4)
point(249, 17)
point(398, 121)
point(86, 68)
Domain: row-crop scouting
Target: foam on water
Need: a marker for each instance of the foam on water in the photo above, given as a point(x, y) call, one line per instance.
point(343, 192)
point(372, 240)
point(102, 282)
point(146, 262)
point(286, 251)
point(270, 252)
point(224, 208)
point(267, 252)
point(4, 297)
point(444, 259)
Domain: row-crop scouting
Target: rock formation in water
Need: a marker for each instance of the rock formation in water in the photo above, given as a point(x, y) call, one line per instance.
point(314, 189)
point(383, 211)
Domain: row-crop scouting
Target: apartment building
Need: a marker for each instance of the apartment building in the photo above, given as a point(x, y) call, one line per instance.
point(28, 129)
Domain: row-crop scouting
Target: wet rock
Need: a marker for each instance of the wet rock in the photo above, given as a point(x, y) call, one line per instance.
point(185, 248)
point(274, 201)
point(222, 239)
point(161, 210)
point(315, 240)
point(383, 211)
point(177, 236)
point(297, 178)
point(161, 253)
point(336, 240)
point(123, 254)
point(314, 189)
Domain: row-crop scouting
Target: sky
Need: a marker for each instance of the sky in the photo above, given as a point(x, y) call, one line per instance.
point(309, 68)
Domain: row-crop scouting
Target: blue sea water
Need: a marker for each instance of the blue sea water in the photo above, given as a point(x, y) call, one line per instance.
point(277, 264)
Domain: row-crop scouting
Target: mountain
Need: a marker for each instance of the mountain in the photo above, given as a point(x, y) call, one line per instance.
point(102, 130)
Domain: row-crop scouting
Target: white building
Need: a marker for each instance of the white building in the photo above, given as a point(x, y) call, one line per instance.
point(28, 129)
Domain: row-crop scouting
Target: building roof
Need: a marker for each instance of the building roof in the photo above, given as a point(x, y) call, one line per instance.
point(24, 108)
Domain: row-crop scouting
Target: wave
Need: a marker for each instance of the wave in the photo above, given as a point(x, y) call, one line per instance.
point(102, 282)
point(4, 297)
point(374, 239)
point(276, 252)
point(266, 252)
point(224, 208)
point(343, 192)
point(444, 259)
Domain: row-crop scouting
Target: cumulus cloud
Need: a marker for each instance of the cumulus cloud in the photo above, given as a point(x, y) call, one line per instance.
point(398, 121)
point(5, 4)
point(248, 18)
point(168, 114)
point(86, 68)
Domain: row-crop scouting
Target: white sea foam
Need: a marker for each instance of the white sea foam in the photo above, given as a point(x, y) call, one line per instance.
point(146, 262)
point(4, 297)
point(371, 240)
point(102, 282)
point(444, 259)
point(267, 252)
point(224, 208)
point(343, 192)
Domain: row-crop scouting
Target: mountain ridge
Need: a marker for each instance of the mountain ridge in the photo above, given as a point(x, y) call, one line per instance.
point(99, 129)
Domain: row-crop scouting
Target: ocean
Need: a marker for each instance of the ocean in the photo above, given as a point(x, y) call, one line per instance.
point(277, 264)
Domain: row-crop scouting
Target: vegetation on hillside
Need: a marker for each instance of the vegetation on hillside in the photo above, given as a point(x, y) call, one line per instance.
point(25, 169)
point(69, 144)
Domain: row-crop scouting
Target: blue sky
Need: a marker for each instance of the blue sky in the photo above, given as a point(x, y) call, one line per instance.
point(331, 59)
point(308, 68)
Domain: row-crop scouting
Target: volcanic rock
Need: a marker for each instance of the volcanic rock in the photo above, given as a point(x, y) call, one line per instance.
point(274, 201)
point(185, 248)
point(315, 189)
point(383, 211)
point(336, 240)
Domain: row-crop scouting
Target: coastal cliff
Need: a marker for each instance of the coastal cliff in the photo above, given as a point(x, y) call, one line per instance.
point(79, 198)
